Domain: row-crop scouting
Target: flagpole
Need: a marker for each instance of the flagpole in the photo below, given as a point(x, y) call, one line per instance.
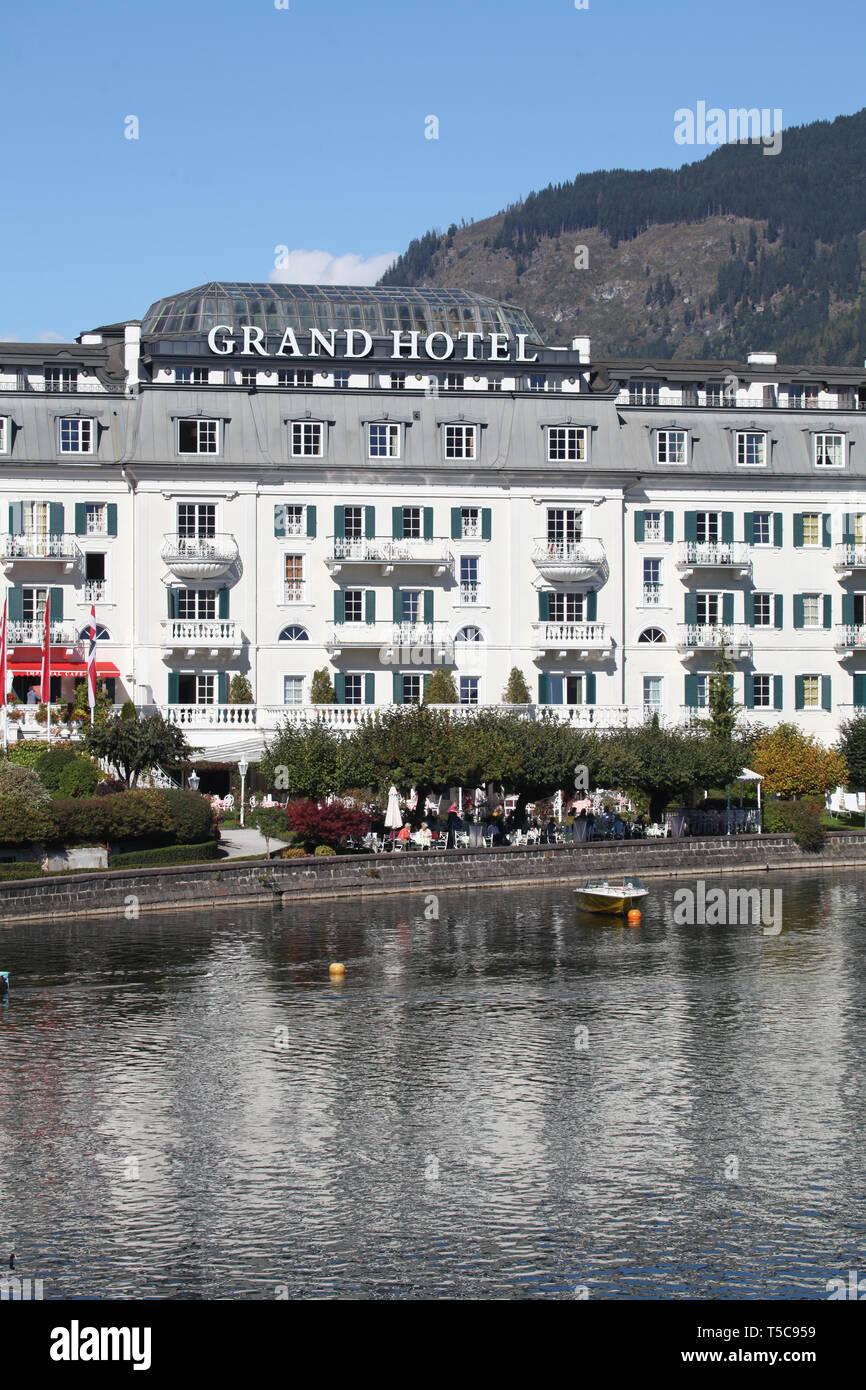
point(46, 667)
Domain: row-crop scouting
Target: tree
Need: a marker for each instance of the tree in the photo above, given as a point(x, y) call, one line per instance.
point(852, 746)
point(532, 757)
point(795, 764)
point(723, 710)
point(516, 691)
point(81, 702)
point(136, 746)
point(322, 688)
point(325, 823)
point(272, 822)
point(240, 691)
point(440, 688)
point(664, 763)
point(412, 746)
point(309, 760)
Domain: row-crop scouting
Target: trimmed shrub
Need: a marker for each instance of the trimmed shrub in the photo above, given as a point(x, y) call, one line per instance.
point(12, 871)
point(802, 819)
point(27, 752)
point(166, 854)
point(324, 849)
point(128, 710)
point(323, 823)
point(79, 778)
point(192, 816)
point(294, 852)
point(24, 822)
point(22, 782)
point(51, 765)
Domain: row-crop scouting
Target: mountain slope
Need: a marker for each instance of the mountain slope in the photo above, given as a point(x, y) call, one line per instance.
point(735, 252)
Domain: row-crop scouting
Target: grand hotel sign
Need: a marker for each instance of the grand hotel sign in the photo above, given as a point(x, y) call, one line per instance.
point(357, 342)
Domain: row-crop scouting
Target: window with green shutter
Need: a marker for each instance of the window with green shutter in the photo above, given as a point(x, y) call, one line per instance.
point(639, 526)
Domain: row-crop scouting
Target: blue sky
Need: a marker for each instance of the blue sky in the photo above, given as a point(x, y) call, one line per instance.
point(304, 127)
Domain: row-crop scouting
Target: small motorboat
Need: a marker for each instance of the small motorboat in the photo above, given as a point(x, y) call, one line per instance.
point(610, 894)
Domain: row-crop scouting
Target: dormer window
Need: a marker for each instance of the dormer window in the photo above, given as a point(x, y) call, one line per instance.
point(643, 393)
point(829, 451)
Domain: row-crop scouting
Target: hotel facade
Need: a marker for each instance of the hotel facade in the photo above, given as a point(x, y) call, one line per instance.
point(266, 480)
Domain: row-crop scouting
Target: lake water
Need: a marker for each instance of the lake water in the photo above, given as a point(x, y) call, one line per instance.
point(189, 1108)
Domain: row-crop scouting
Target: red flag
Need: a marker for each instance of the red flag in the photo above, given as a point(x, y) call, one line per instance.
point(3, 657)
point(46, 652)
point(91, 663)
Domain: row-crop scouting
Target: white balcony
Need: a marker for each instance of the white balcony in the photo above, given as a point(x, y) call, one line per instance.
point(569, 639)
point(850, 638)
point(31, 633)
point(41, 548)
point(700, 555)
point(588, 716)
point(702, 637)
point(410, 644)
point(571, 562)
point(653, 596)
point(215, 636)
point(95, 590)
point(387, 553)
point(199, 557)
point(847, 559)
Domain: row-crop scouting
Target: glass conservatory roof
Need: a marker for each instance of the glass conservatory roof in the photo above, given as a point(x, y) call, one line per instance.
point(276, 307)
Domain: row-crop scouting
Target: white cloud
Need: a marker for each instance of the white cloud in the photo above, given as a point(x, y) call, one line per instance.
point(321, 268)
point(49, 336)
point(9, 338)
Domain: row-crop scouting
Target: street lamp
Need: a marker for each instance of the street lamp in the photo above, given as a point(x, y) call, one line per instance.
point(243, 769)
point(192, 781)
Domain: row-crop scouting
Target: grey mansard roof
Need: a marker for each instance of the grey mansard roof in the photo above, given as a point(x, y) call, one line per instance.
point(276, 307)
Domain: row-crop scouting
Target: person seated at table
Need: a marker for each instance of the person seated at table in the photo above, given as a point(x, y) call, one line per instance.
point(404, 832)
point(618, 827)
point(497, 825)
point(424, 838)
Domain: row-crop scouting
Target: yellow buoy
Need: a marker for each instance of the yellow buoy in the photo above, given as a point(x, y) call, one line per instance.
point(337, 969)
point(634, 917)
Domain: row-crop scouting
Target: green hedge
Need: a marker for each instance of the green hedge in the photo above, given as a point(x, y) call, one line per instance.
point(166, 854)
point(802, 819)
point(25, 870)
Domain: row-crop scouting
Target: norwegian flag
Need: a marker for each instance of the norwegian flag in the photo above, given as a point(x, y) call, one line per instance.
point(91, 663)
point(46, 655)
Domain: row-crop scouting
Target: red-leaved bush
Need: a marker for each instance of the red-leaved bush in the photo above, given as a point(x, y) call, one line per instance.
point(319, 823)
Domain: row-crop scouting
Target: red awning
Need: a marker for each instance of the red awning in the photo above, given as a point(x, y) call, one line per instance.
point(61, 668)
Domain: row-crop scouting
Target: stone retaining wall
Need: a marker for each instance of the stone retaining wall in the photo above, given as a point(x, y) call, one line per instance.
point(130, 891)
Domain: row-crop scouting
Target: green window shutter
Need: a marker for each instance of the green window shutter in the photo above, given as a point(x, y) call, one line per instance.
point(826, 531)
point(425, 686)
point(555, 687)
point(669, 526)
point(591, 606)
point(798, 529)
point(727, 527)
point(428, 605)
point(749, 610)
point(80, 518)
point(691, 692)
point(777, 692)
point(690, 525)
point(860, 691)
point(173, 602)
point(279, 519)
point(826, 693)
point(778, 528)
point(174, 688)
point(486, 524)
point(16, 518)
point(55, 518)
point(369, 688)
point(798, 692)
point(639, 526)
point(544, 688)
point(15, 610)
point(691, 609)
point(56, 596)
point(778, 610)
point(848, 529)
point(749, 691)
point(339, 606)
point(397, 523)
point(111, 518)
point(848, 608)
point(369, 523)
point(456, 523)
point(223, 602)
point(339, 688)
point(398, 688)
point(398, 606)
point(828, 610)
point(223, 687)
point(798, 616)
point(749, 528)
point(339, 522)
point(428, 524)
point(311, 521)
point(589, 688)
point(727, 609)
point(544, 610)
point(370, 606)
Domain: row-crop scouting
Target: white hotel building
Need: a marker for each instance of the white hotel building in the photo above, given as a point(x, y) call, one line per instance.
point(270, 479)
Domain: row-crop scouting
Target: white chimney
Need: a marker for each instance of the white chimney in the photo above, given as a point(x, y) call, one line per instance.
point(761, 359)
point(581, 346)
point(131, 347)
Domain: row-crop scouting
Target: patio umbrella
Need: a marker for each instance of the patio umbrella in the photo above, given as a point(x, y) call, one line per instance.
point(393, 814)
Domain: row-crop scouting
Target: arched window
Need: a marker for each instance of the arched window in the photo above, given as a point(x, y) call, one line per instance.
point(294, 633)
point(102, 634)
point(652, 634)
point(469, 634)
